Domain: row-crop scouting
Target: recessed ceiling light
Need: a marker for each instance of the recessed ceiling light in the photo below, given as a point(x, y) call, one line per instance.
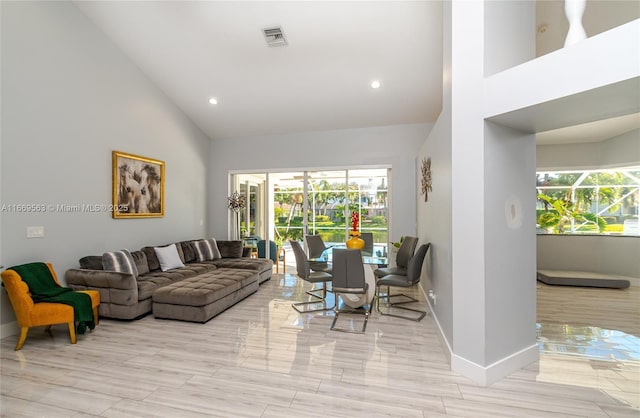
point(375, 84)
point(213, 101)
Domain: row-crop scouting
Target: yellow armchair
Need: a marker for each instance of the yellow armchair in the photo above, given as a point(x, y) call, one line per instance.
point(30, 314)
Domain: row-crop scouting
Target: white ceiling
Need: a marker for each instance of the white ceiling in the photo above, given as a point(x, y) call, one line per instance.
point(321, 80)
point(194, 50)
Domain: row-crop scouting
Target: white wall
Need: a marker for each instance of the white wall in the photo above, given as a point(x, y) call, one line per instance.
point(395, 145)
point(510, 245)
point(509, 42)
point(69, 97)
point(481, 267)
point(616, 255)
point(620, 151)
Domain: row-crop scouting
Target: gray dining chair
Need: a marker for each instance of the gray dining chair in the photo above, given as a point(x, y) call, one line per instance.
point(304, 272)
point(405, 252)
point(316, 248)
point(349, 279)
point(367, 237)
point(412, 278)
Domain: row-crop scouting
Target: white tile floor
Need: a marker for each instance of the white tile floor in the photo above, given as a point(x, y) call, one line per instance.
point(262, 359)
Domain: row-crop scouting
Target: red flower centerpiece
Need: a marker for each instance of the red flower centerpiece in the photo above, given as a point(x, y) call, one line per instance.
point(355, 241)
point(355, 221)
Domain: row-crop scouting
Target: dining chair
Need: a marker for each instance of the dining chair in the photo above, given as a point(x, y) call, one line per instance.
point(349, 279)
point(304, 272)
point(412, 278)
point(367, 237)
point(316, 248)
point(405, 252)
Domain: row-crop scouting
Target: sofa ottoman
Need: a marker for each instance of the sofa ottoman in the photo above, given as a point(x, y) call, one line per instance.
point(200, 298)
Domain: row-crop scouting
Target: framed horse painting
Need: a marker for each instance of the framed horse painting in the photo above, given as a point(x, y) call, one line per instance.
point(138, 186)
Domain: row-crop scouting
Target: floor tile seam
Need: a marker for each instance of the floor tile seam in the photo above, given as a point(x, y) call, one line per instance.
point(371, 405)
point(53, 403)
point(524, 412)
point(545, 408)
point(620, 405)
point(545, 399)
point(249, 385)
point(45, 405)
point(401, 395)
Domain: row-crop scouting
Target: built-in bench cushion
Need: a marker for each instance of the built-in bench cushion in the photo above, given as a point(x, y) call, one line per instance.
point(582, 278)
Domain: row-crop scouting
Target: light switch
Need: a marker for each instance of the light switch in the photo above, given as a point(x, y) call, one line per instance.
point(35, 231)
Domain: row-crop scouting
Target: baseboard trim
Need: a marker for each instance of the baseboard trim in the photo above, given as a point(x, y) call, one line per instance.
point(443, 340)
point(487, 375)
point(9, 329)
point(484, 375)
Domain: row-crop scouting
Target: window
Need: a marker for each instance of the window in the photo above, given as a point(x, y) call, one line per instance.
point(282, 206)
point(589, 201)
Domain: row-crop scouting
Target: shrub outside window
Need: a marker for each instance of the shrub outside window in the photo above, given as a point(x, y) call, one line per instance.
point(589, 201)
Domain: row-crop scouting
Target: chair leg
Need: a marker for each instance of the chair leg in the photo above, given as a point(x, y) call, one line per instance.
point(320, 300)
point(22, 338)
point(397, 306)
point(338, 311)
point(72, 332)
point(96, 317)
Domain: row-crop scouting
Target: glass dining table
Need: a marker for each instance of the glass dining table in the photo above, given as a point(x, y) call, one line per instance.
point(370, 262)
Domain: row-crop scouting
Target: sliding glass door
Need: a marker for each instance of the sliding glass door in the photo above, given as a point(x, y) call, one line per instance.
point(283, 206)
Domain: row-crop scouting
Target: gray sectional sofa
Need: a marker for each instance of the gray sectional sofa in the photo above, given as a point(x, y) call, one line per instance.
point(196, 292)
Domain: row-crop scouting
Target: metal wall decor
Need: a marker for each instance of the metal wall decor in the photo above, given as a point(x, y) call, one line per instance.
point(237, 202)
point(426, 177)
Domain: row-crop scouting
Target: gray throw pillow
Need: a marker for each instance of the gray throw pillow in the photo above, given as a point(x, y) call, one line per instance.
point(120, 261)
point(206, 249)
point(91, 262)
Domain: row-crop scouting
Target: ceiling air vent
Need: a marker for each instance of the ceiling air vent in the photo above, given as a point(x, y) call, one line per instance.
point(274, 36)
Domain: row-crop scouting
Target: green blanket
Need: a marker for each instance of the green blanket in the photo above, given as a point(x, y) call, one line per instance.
point(44, 288)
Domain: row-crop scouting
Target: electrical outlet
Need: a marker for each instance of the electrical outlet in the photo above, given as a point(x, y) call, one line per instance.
point(432, 296)
point(35, 231)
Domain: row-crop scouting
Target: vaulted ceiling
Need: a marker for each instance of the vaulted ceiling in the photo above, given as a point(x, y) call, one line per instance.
point(321, 80)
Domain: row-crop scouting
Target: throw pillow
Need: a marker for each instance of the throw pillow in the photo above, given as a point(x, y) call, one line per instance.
point(214, 246)
point(168, 257)
point(120, 261)
point(91, 262)
point(206, 249)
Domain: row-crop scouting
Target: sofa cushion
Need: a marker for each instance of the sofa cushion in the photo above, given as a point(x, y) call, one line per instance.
point(205, 288)
point(206, 249)
point(152, 259)
point(141, 261)
point(168, 257)
point(91, 262)
point(188, 251)
point(120, 261)
point(230, 249)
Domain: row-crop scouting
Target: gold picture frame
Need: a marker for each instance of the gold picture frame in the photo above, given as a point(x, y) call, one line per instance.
point(138, 186)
